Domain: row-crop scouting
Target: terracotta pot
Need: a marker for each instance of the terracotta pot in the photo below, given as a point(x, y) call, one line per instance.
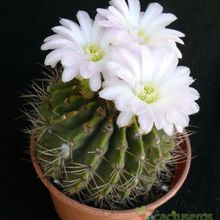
point(69, 209)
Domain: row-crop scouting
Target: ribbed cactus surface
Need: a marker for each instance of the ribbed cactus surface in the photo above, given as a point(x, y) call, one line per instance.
point(82, 150)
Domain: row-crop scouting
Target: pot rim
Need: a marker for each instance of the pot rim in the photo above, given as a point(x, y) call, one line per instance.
point(103, 212)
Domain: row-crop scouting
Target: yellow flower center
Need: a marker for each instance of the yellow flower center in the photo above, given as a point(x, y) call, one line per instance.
point(149, 94)
point(95, 51)
point(142, 36)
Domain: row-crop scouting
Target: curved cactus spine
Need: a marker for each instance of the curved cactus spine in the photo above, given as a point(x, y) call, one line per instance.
point(135, 157)
point(80, 147)
point(107, 182)
point(90, 160)
point(74, 118)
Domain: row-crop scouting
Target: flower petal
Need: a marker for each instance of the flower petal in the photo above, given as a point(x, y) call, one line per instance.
point(124, 119)
point(122, 102)
point(147, 61)
point(134, 7)
point(54, 57)
point(117, 14)
point(168, 34)
point(53, 37)
point(64, 32)
point(166, 68)
point(74, 27)
point(56, 43)
point(97, 31)
point(95, 82)
point(111, 93)
point(168, 128)
point(69, 73)
point(71, 58)
point(88, 69)
point(146, 122)
point(122, 6)
point(162, 21)
point(85, 24)
point(121, 71)
point(152, 12)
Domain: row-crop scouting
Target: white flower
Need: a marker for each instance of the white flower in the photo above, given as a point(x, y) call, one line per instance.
point(149, 85)
point(82, 49)
point(143, 28)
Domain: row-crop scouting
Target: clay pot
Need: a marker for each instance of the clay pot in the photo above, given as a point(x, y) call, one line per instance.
point(69, 209)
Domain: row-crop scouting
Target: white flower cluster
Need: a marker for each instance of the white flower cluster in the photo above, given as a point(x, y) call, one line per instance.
point(131, 58)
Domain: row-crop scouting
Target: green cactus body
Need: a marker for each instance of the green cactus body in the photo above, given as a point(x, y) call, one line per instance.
point(80, 147)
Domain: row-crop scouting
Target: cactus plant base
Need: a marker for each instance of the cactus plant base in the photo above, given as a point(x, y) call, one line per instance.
point(156, 192)
point(69, 209)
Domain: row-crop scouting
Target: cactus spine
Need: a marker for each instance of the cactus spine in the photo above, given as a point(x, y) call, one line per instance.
point(81, 149)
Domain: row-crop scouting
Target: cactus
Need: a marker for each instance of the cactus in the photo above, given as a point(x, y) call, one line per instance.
point(82, 150)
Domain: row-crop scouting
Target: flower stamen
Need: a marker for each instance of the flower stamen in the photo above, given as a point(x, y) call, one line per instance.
point(149, 94)
point(95, 51)
point(143, 37)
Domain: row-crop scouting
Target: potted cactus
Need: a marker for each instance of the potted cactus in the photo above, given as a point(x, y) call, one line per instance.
point(108, 137)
